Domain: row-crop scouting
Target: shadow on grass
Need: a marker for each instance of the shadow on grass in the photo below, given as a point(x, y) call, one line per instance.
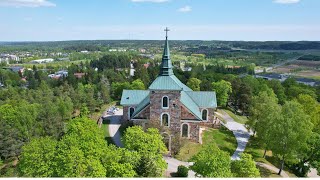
point(267, 173)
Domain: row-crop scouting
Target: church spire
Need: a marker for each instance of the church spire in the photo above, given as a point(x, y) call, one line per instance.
point(166, 65)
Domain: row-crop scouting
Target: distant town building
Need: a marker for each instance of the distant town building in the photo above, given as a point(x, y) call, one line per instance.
point(41, 61)
point(271, 76)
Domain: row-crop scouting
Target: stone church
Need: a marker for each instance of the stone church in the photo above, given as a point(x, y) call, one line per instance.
point(171, 106)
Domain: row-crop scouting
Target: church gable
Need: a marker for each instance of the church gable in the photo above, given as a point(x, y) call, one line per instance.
point(186, 114)
point(143, 114)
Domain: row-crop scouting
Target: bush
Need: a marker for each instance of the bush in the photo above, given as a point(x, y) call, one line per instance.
point(182, 171)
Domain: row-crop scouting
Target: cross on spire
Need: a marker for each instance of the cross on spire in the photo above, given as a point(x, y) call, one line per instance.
point(166, 30)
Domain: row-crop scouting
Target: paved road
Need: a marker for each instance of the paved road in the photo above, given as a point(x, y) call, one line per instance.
point(240, 132)
point(114, 127)
point(313, 173)
point(173, 166)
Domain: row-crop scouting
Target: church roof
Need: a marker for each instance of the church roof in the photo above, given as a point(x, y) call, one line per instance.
point(133, 97)
point(186, 100)
point(166, 80)
point(204, 99)
point(168, 83)
point(144, 103)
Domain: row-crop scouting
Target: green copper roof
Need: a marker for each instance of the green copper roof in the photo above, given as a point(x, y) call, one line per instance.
point(204, 99)
point(133, 97)
point(190, 104)
point(144, 103)
point(166, 64)
point(168, 83)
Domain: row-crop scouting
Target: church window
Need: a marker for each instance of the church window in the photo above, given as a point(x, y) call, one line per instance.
point(185, 130)
point(131, 111)
point(165, 102)
point(204, 114)
point(165, 121)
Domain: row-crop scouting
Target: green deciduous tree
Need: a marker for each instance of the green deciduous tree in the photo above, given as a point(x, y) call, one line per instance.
point(37, 158)
point(138, 85)
point(223, 89)
point(290, 132)
point(312, 108)
point(245, 167)
point(150, 148)
point(264, 111)
point(212, 162)
point(149, 141)
point(194, 84)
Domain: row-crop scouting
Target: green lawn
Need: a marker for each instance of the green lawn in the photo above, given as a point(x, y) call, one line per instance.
point(187, 150)
point(224, 139)
point(256, 151)
point(105, 128)
point(237, 118)
point(266, 173)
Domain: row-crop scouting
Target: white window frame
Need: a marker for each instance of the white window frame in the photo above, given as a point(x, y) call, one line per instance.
point(129, 111)
point(207, 114)
point(188, 129)
point(168, 119)
point(168, 102)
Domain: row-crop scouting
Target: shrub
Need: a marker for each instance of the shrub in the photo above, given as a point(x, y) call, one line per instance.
point(182, 171)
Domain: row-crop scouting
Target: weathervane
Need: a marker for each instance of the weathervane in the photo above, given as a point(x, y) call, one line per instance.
point(166, 30)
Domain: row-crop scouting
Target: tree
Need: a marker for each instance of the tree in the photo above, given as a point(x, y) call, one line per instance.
point(194, 84)
point(212, 162)
point(312, 108)
point(37, 158)
point(290, 132)
point(138, 85)
point(308, 156)
point(263, 111)
point(223, 89)
point(120, 162)
point(245, 167)
point(65, 107)
point(80, 150)
point(150, 148)
point(149, 141)
point(278, 89)
point(117, 88)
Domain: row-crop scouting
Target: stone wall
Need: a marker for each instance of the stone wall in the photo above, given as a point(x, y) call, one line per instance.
point(186, 115)
point(174, 112)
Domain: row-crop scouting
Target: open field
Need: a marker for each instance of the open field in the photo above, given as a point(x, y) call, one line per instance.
point(224, 139)
point(307, 69)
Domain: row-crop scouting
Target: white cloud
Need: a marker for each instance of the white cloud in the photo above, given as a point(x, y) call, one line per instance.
point(26, 3)
point(153, 1)
point(185, 9)
point(286, 1)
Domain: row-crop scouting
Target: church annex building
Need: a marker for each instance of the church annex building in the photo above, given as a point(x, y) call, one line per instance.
point(172, 107)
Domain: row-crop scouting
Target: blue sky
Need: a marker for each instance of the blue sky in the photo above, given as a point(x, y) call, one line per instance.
point(42, 20)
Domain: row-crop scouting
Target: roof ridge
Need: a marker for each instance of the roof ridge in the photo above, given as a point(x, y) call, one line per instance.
point(192, 98)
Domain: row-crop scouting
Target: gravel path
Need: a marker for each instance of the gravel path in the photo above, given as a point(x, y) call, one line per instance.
point(114, 127)
point(173, 166)
point(240, 132)
point(272, 168)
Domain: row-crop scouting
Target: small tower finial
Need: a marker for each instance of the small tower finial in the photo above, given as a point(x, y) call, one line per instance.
point(166, 30)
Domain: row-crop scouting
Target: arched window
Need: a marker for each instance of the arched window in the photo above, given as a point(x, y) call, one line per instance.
point(131, 111)
point(185, 130)
point(204, 114)
point(165, 102)
point(165, 121)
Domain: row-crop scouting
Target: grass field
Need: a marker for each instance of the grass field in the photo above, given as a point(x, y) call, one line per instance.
point(224, 139)
point(237, 118)
point(256, 151)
